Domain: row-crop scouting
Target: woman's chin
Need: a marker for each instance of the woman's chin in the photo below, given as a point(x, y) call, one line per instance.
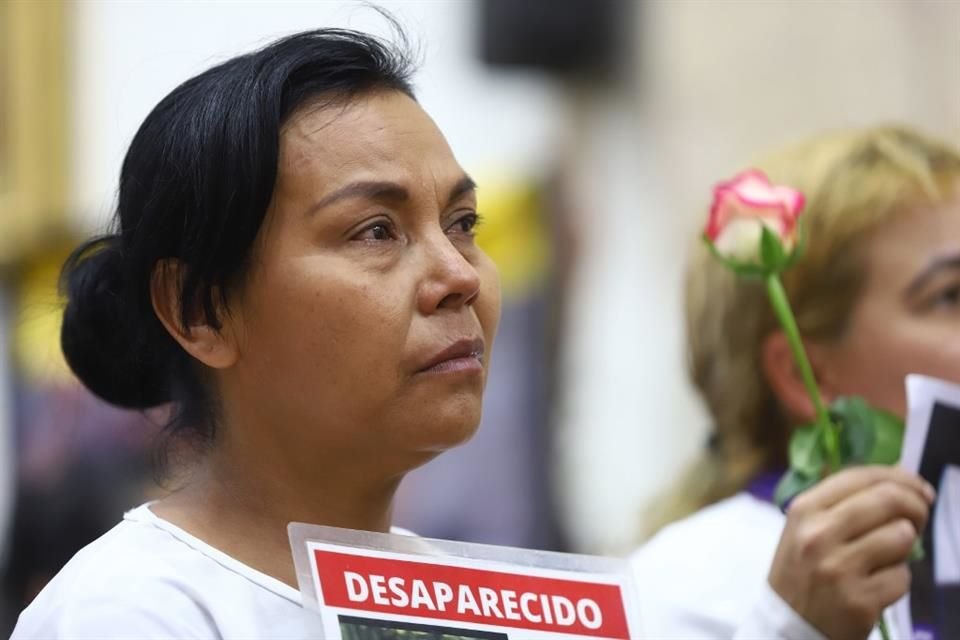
point(450, 426)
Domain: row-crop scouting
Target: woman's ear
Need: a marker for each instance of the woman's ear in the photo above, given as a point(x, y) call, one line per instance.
point(783, 376)
point(216, 348)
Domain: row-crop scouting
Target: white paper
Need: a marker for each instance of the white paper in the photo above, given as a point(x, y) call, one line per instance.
point(932, 448)
point(372, 586)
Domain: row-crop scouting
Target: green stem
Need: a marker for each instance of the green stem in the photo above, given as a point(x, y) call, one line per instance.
point(884, 632)
point(781, 306)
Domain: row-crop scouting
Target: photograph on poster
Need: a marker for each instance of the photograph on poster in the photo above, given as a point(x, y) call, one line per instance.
point(353, 628)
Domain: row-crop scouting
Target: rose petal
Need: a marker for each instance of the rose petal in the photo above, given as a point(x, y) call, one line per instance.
point(750, 195)
point(792, 199)
point(740, 241)
point(758, 192)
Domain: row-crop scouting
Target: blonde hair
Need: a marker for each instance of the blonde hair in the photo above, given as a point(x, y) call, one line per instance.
point(853, 182)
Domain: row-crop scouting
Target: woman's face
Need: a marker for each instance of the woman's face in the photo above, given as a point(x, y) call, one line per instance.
point(366, 324)
point(908, 317)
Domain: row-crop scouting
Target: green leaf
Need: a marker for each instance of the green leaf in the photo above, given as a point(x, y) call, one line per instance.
point(792, 484)
point(889, 443)
point(867, 435)
point(857, 429)
point(807, 451)
point(771, 250)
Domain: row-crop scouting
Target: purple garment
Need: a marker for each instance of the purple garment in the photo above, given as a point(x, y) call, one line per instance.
point(764, 485)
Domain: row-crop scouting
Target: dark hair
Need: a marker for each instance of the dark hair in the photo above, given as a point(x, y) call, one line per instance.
point(195, 186)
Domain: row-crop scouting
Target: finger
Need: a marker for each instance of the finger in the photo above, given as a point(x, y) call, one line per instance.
point(863, 600)
point(844, 483)
point(874, 506)
point(888, 585)
point(879, 549)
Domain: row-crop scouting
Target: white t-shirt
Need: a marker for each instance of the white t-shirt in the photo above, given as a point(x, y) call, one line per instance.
point(149, 579)
point(705, 577)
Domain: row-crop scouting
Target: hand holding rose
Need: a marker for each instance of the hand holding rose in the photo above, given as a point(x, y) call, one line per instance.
point(841, 558)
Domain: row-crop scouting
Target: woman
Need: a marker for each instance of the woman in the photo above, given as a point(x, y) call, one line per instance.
point(877, 296)
point(295, 270)
point(290, 223)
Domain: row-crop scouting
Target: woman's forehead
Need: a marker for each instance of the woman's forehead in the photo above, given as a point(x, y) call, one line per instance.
point(386, 137)
point(912, 240)
point(378, 126)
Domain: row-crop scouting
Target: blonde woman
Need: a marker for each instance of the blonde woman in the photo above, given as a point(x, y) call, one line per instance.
point(877, 296)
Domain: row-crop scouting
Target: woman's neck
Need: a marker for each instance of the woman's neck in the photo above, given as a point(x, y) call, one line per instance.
point(242, 508)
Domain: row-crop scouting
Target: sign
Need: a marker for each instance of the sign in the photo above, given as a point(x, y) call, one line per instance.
point(931, 448)
point(370, 586)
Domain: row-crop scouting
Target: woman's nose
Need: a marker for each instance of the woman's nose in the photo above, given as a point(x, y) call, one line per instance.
point(451, 281)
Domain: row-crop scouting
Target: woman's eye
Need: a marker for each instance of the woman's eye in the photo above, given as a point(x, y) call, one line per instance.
point(466, 224)
point(948, 298)
point(376, 232)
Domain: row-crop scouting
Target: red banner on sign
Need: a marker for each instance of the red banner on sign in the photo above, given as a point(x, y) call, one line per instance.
point(426, 590)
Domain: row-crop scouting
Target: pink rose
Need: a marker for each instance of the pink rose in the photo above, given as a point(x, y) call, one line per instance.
point(742, 208)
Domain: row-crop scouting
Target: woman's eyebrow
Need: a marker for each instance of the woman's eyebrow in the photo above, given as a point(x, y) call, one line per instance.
point(369, 189)
point(386, 190)
point(463, 186)
point(936, 266)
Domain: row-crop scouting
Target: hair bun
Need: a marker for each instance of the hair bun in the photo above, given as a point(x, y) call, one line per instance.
point(106, 342)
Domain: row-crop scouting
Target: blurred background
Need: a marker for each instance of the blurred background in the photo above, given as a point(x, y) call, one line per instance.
point(595, 128)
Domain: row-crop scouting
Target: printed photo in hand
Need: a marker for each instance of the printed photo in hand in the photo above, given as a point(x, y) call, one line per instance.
point(352, 628)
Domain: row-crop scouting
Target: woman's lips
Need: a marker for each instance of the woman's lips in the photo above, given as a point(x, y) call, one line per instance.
point(464, 355)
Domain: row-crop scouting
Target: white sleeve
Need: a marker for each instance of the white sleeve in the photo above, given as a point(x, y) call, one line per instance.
point(772, 618)
point(115, 619)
